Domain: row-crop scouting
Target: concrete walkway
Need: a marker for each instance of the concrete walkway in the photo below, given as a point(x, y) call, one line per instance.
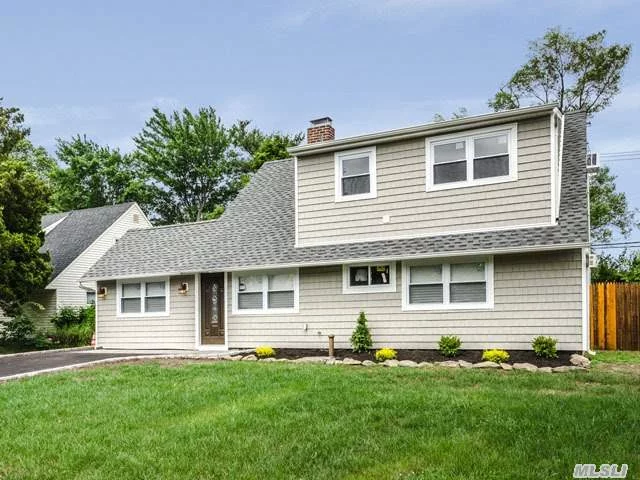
point(33, 363)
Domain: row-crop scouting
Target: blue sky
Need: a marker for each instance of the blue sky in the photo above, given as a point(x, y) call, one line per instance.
point(99, 68)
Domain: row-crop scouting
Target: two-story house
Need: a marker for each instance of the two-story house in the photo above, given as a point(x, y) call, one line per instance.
point(476, 227)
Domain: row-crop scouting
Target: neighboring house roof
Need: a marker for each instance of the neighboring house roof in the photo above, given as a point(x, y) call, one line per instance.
point(76, 232)
point(258, 229)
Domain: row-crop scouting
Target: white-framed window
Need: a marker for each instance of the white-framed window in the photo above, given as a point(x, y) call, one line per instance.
point(478, 157)
point(369, 277)
point(453, 284)
point(91, 298)
point(273, 291)
point(143, 297)
point(355, 174)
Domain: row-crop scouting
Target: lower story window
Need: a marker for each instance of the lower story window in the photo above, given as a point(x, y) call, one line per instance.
point(378, 277)
point(449, 285)
point(260, 292)
point(140, 297)
point(91, 298)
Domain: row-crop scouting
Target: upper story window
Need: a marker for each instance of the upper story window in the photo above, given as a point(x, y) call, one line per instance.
point(265, 292)
point(369, 278)
point(476, 158)
point(356, 174)
point(137, 298)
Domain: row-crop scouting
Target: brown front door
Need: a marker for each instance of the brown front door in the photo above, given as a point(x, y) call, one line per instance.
point(212, 321)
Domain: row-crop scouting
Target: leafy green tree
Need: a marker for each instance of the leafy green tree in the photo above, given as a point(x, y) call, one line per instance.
point(12, 130)
point(260, 147)
point(23, 200)
point(462, 112)
point(623, 268)
point(91, 175)
point(191, 163)
point(577, 73)
point(609, 209)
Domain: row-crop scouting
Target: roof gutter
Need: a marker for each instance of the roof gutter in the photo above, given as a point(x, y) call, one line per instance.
point(428, 129)
point(387, 258)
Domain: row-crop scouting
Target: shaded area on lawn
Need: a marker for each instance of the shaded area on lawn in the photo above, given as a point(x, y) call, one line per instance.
point(473, 356)
point(230, 420)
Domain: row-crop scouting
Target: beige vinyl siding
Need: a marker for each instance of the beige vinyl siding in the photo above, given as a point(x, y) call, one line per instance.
point(68, 282)
point(414, 212)
point(535, 294)
point(174, 331)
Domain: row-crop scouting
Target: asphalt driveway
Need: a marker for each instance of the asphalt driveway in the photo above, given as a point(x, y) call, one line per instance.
point(32, 362)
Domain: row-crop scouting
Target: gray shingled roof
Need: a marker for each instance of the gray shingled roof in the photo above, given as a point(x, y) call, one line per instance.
point(78, 230)
point(257, 230)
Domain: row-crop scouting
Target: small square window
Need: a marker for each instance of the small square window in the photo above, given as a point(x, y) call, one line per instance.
point(369, 278)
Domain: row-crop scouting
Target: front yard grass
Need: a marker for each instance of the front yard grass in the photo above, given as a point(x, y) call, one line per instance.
point(236, 420)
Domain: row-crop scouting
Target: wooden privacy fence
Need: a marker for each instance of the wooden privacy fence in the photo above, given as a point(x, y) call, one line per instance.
point(615, 316)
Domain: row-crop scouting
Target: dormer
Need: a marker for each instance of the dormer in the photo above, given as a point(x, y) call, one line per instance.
point(498, 171)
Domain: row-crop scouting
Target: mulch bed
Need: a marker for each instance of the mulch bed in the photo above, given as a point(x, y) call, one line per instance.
point(473, 356)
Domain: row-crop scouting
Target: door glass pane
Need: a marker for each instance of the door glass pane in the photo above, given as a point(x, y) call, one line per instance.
point(130, 289)
point(425, 293)
point(130, 305)
point(155, 289)
point(355, 166)
point(282, 281)
point(450, 172)
point(449, 152)
point(155, 304)
point(425, 274)
point(491, 146)
point(468, 292)
point(280, 299)
point(356, 185)
point(380, 275)
point(467, 272)
point(249, 301)
point(491, 167)
point(250, 283)
point(358, 276)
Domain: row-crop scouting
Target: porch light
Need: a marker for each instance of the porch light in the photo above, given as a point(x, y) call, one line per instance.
point(184, 288)
point(102, 292)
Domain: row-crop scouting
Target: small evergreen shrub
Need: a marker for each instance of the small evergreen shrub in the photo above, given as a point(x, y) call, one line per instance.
point(386, 353)
point(361, 337)
point(449, 346)
point(495, 355)
point(264, 351)
point(545, 347)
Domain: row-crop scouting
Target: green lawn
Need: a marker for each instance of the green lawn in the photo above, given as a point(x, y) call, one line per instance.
point(632, 358)
point(236, 420)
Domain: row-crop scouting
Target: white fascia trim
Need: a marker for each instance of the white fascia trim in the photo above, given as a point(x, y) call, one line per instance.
point(347, 290)
point(265, 289)
point(295, 199)
point(554, 131)
point(198, 328)
point(468, 136)
point(338, 157)
point(54, 225)
point(106, 232)
point(560, 160)
point(586, 274)
point(489, 278)
point(387, 258)
point(436, 234)
point(142, 281)
point(422, 130)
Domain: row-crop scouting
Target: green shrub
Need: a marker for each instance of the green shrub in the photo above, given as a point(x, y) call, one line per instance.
point(545, 347)
point(74, 316)
point(386, 353)
point(21, 331)
point(74, 326)
point(264, 351)
point(449, 346)
point(361, 337)
point(495, 355)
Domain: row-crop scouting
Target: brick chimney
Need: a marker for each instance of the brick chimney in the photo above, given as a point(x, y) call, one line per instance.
point(320, 130)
